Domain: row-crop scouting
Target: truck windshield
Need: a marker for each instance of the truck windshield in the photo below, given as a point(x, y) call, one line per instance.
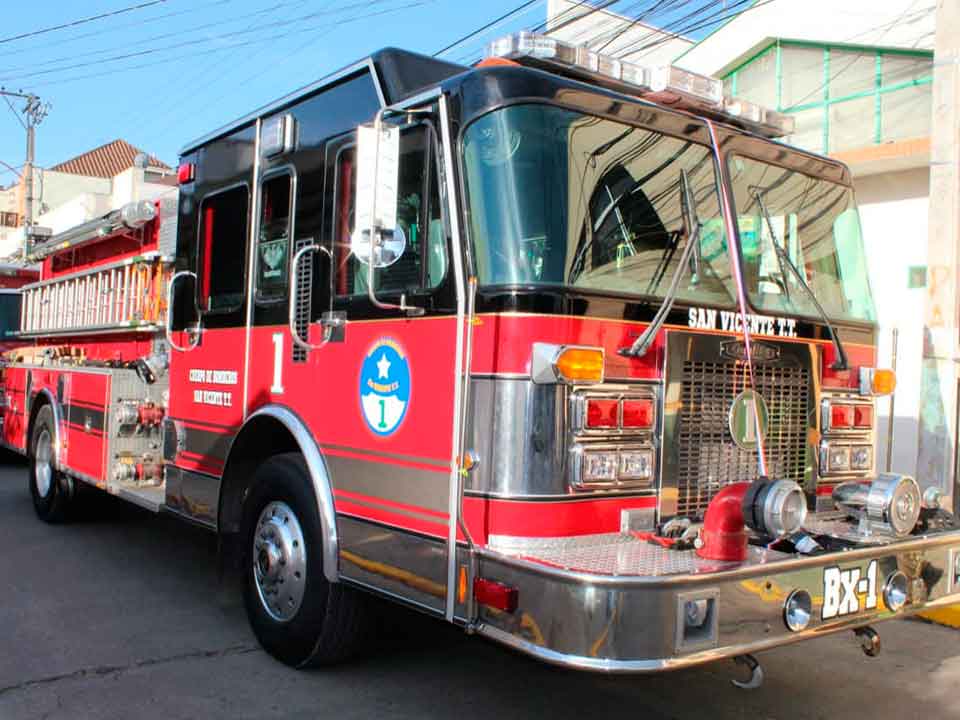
point(816, 222)
point(561, 198)
point(557, 197)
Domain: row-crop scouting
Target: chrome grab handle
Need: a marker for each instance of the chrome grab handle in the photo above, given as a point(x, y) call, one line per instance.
point(327, 325)
point(168, 325)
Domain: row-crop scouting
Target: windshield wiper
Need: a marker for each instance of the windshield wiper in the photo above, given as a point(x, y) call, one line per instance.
point(691, 253)
point(841, 362)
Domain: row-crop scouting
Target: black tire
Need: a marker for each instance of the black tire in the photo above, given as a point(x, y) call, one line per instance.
point(332, 621)
point(53, 493)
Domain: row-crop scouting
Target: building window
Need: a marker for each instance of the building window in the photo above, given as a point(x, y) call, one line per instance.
point(841, 97)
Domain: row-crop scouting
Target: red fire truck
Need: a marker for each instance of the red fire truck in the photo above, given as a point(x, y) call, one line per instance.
point(568, 351)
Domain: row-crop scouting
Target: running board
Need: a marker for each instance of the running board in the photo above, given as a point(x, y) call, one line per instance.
point(150, 498)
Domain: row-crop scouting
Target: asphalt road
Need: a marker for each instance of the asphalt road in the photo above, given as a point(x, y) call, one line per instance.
point(121, 615)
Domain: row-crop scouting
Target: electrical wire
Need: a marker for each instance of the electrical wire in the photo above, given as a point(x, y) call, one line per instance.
point(189, 43)
point(163, 36)
point(59, 42)
point(637, 20)
point(489, 25)
point(82, 21)
point(14, 111)
point(222, 48)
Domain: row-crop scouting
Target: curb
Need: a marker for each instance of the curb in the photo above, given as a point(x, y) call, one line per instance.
point(948, 616)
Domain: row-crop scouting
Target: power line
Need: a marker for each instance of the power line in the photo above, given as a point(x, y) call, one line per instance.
point(188, 43)
point(81, 21)
point(59, 42)
point(695, 20)
point(601, 6)
point(10, 168)
point(222, 48)
point(14, 111)
point(163, 36)
point(637, 20)
point(489, 25)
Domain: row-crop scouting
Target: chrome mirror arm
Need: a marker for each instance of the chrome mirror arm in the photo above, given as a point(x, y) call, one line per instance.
point(168, 327)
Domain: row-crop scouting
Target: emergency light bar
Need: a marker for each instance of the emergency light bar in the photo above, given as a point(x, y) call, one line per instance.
point(663, 84)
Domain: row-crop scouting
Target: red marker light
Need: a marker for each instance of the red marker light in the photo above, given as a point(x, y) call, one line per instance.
point(185, 173)
point(602, 413)
point(863, 416)
point(496, 595)
point(841, 416)
point(638, 413)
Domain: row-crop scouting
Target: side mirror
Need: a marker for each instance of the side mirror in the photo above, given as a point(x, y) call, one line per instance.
point(193, 333)
point(377, 239)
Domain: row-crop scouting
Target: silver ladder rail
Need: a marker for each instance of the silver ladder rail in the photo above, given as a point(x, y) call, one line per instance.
point(122, 295)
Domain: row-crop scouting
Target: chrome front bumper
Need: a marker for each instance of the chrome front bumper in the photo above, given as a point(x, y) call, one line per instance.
point(612, 603)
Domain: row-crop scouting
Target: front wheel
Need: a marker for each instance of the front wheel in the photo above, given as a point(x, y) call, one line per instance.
point(53, 493)
point(297, 615)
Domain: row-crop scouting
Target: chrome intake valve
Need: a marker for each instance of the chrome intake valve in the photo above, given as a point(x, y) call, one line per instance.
point(890, 505)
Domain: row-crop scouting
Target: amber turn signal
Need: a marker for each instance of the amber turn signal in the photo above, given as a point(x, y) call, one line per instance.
point(577, 364)
point(877, 381)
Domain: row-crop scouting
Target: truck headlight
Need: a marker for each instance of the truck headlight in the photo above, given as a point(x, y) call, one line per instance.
point(861, 457)
point(600, 466)
point(636, 465)
point(835, 458)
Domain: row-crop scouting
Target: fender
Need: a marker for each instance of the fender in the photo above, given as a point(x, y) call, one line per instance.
point(319, 476)
point(57, 422)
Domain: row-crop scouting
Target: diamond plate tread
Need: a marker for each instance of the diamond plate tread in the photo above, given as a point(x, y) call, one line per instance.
point(619, 555)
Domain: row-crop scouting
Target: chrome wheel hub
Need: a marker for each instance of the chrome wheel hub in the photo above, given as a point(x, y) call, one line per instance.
point(42, 467)
point(279, 561)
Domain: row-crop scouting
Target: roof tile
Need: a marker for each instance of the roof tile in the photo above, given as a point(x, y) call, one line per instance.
point(107, 161)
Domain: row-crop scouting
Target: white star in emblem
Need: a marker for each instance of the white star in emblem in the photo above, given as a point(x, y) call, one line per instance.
point(383, 367)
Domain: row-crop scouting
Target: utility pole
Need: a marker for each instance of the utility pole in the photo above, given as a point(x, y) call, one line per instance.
point(937, 447)
point(34, 112)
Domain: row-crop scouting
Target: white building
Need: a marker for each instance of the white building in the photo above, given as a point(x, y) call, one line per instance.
point(857, 77)
point(82, 188)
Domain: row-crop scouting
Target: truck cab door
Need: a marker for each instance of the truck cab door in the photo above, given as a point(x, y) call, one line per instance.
point(208, 322)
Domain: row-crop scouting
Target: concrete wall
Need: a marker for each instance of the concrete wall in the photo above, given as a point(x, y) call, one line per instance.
point(884, 23)
point(893, 210)
point(65, 200)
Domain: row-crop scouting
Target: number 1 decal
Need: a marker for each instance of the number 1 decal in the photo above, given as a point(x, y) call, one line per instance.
point(277, 387)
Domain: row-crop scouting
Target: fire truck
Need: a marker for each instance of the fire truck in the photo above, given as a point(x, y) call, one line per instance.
point(570, 352)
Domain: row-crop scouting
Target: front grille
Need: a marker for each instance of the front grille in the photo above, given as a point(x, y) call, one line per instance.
point(708, 457)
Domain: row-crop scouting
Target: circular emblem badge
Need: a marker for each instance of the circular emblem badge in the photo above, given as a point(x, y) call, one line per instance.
point(384, 386)
point(748, 419)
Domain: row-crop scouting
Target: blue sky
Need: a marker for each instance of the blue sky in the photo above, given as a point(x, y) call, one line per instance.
point(161, 75)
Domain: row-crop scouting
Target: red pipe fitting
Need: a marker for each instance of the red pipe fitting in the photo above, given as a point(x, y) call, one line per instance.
point(724, 534)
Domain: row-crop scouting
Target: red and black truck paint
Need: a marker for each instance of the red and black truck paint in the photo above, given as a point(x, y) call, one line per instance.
point(341, 447)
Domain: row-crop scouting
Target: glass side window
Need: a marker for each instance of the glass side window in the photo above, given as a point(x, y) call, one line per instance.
point(423, 264)
point(816, 222)
point(273, 242)
point(9, 313)
point(561, 198)
point(223, 243)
